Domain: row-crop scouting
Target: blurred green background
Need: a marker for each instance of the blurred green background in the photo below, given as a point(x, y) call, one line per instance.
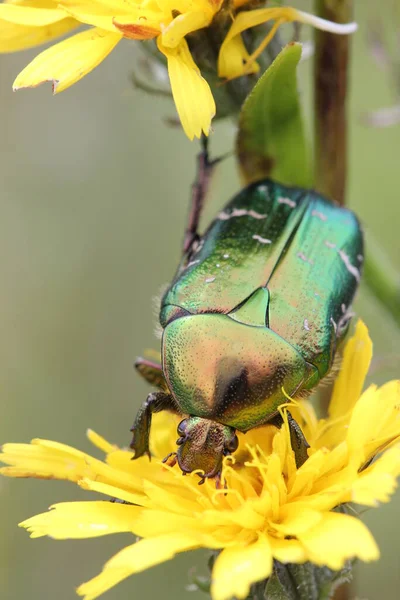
point(94, 194)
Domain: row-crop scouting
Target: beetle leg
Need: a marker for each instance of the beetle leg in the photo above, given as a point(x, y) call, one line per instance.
point(205, 167)
point(152, 373)
point(297, 440)
point(156, 402)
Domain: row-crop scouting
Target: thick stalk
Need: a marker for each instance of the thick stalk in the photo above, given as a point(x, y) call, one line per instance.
point(332, 53)
point(330, 119)
point(330, 91)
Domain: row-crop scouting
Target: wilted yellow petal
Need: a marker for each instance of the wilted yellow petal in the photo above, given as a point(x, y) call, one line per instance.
point(184, 24)
point(133, 559)
point(69, 61)
point(336, 538)
point(354, 368)
point(193, 98)
point(138, 28)
point(80, 520)
point(248, 19)
point(232, 59)
point(238, 567)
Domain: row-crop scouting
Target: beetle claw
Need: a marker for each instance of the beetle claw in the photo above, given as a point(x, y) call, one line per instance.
point(218, 482)
point(171, 459)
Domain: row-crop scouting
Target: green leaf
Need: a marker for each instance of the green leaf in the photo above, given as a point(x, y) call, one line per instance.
point(271, 140)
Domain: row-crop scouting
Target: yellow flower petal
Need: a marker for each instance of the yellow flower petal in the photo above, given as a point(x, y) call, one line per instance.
point(297, 520)
point(336, 538)
point(287, 551)
point(111, 491)
point(20, 37)
point(80, 520)
point(378, 482)
point(133, 559)
point(69, 61)
point(238, 567)
point(193, 98)
point(354, 368)
point(375, 421)
point(25, 24)
point(98, 441)
point(31, 16)
point(269, 508)
point(45, 460)
point(50, 460)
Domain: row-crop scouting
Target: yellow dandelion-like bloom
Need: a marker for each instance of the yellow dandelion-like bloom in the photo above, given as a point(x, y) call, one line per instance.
point(27, 23)
point(269, 509)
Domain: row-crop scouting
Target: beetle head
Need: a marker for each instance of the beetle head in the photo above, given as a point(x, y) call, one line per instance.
point(202, 445)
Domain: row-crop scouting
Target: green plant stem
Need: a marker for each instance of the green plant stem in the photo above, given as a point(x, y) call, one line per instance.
point(330, 92)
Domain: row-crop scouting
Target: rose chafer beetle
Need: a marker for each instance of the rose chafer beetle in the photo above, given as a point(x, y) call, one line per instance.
point(257, 312)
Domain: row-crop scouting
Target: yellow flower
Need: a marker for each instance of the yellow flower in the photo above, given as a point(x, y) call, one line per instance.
point(27, 23)
point(269, 510)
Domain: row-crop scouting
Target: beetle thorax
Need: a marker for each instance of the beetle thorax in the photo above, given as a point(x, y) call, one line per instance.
point(227, 371)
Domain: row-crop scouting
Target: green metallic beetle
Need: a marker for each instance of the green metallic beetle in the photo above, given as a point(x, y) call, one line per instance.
point(256, 312)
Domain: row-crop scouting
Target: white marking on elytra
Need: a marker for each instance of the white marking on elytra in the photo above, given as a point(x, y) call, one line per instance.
point(192, 262)
point(263, 188)
point(287, 201)
point(334, 324)
point(304, 258)
point(306, 326)
point(351, 268)
point(210, 279)
point(261, 239)
point(240, 212)
point(360, 257)
point(319, 215)
point(316, 295)
point(346, 260)
point(343, 308)
point(226, 256)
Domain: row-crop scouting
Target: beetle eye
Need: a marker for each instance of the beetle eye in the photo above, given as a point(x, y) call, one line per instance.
point(182, 427)
point(233, 444)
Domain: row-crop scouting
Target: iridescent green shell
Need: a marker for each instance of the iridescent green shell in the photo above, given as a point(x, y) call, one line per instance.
point(261, 303)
